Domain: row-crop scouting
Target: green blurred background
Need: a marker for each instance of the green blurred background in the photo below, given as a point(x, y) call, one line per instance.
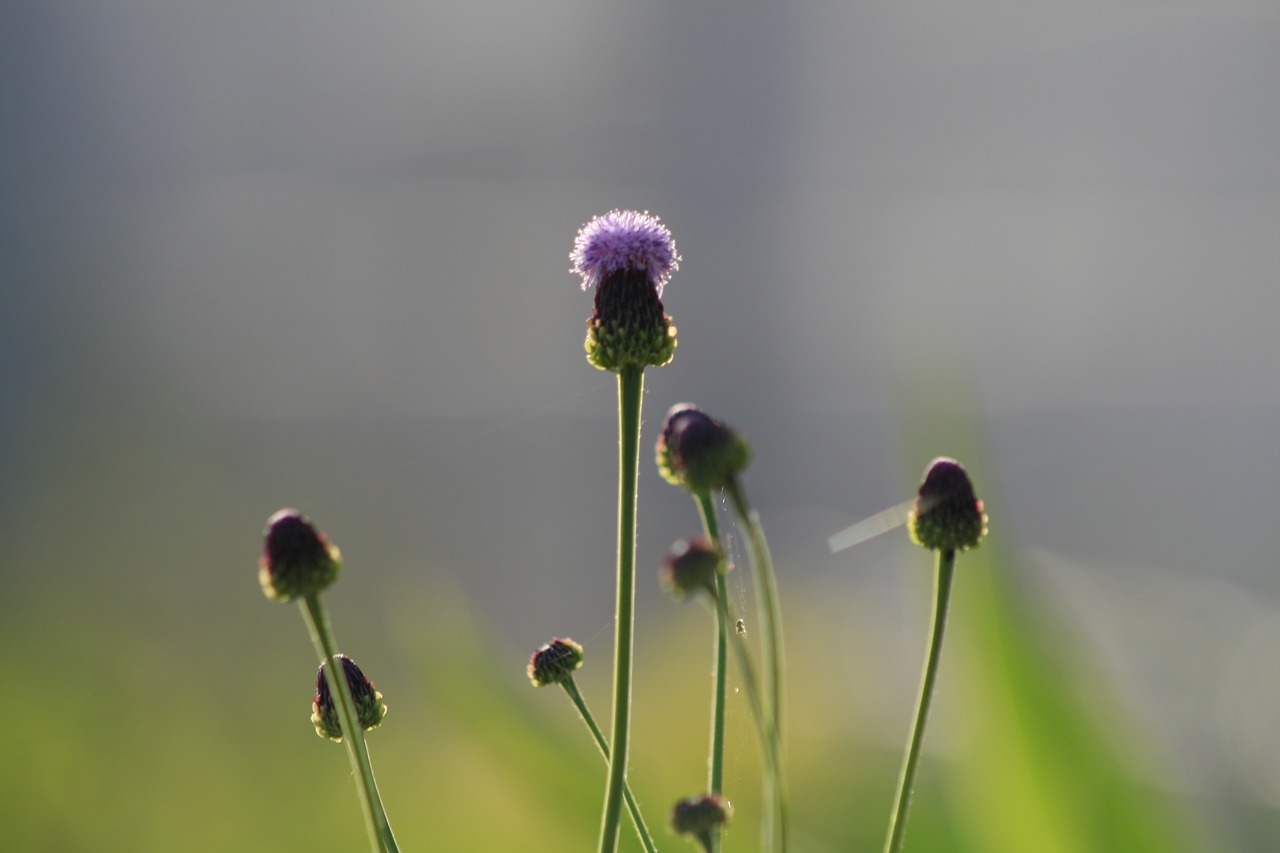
point(314, 254)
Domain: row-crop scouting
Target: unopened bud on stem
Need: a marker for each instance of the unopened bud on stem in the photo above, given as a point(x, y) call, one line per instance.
point(698, 452)
point(297, 560)
point(555, 662)
point(947, 516)
point(370, 708)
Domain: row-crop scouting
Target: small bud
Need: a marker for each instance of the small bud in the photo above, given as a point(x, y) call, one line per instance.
point(369, 706)
point(690, 566)
point(554, 662)
point(628, 257)
point(700, 817)
point(947, 516)
point(297, 560)
point(698, 452)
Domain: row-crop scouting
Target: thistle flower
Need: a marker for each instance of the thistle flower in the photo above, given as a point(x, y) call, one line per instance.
point(555, 662)
point(629, 258)
point(947, 516)
point(690, 566)
point(297, 559)
point(370, 708)
point(700, 817)
point(699, 453)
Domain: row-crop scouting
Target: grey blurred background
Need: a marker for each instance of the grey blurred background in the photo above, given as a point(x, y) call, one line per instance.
point(315, 254)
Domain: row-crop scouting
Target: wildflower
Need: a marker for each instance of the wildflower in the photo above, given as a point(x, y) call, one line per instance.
point(555, 662)
point(629, 258)
point(947, 516)
point(698, 452)
point(690, 566)
point(370, 709)
point(700, 817)
point(297, 559)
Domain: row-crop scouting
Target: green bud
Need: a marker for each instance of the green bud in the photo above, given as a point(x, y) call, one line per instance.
point(554, 662)
point(947, 516)
point(369, 706)
point(297, 560)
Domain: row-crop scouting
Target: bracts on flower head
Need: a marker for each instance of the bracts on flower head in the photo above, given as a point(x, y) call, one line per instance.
point(629, 258)
point(698, 452)
point(297, 559)
point(370, 709)
point(555, 662)
point(947, 515)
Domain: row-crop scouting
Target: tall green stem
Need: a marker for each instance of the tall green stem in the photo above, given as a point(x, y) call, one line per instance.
point(375, 816)
point(571, 687)
point(906, 780)
point(630, 393)
point(766, 588)
point(715, 761)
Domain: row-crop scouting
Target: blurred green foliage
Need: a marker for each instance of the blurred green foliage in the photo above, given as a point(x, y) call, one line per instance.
point(126, 744)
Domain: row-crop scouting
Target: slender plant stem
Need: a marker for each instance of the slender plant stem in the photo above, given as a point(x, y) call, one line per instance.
point(769, 749)
point(715, 761)
point(906, 780)
point(747, 671)
point(630, 394)
point(571, 687)
point(766, 587)
point(375, 816)
point(767, 592)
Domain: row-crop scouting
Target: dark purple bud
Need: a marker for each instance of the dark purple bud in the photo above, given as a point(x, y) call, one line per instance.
point(297, 560)
point(698, 452)
point(700, 818)
point(690, 566)
point(554, 662)
point(947, 516)
point(370, 709)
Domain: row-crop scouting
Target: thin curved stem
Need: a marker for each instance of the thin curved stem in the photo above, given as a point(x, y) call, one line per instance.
point(571, 687)
point(906, 780)
point(747, 671)
point(769, 750)
point(375, 816)
point(630, 394)
point(766, 588)
point(715, 760)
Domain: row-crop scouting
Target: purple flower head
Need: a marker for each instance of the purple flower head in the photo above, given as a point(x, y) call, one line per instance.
point(624, 240)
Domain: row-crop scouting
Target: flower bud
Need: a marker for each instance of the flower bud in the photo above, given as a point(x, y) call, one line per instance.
point(947, 516)
point(690, 566)
point(554, 662)
point(698, 452)
point(297, 560)
point(628, 257)
point(369, 706)
point(700, 817)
